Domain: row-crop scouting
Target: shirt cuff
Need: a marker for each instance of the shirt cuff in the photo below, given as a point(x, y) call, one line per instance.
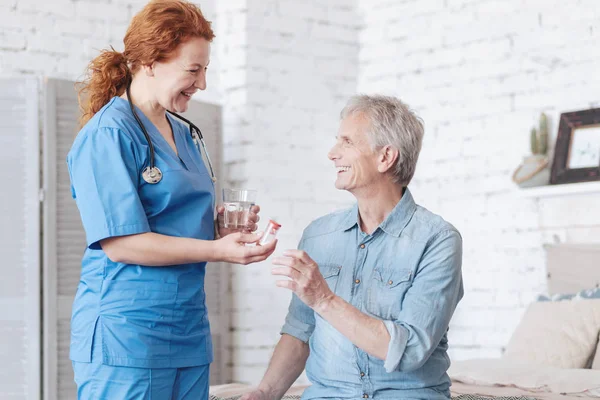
point(398, 341)
point(297, 329)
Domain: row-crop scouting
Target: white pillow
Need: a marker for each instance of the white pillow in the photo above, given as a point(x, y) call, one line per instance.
point(562, 334)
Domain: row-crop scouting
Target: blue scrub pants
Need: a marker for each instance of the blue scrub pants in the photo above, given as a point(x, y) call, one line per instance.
point(96, 381)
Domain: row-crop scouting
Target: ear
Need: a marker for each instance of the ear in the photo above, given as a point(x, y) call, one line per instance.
point(148, 69)
point(387, 158)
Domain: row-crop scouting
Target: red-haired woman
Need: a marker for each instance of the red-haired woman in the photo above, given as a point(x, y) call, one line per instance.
point(139, 328)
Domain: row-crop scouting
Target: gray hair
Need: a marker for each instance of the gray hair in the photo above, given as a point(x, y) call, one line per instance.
point(392, 123)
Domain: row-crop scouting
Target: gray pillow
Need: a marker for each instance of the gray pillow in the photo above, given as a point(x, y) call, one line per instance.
point(582, 295)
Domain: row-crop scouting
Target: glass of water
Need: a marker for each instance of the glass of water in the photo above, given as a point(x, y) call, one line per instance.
point(237, 203)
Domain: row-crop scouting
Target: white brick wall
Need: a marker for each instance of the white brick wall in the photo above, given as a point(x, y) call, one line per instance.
point(479, 72)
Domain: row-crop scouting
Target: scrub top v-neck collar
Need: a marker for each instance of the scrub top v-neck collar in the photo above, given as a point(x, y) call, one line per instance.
point(183, 141)
point(182, 156)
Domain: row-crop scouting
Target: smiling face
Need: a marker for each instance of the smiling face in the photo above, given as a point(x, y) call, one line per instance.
point(177, 78)
point(355, 161)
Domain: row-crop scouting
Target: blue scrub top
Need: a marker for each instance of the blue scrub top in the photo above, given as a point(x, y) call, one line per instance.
point(150, 317)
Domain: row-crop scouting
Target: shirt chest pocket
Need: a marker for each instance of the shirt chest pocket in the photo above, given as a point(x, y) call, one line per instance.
point(386, 291)
point(331, 273)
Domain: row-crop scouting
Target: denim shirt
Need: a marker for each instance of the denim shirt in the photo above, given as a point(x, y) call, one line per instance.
point(407, 273)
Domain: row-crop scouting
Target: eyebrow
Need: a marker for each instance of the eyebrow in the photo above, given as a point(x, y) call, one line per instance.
point(199, 65)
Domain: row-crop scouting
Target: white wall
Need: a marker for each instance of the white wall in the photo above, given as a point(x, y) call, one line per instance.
point(479, 72)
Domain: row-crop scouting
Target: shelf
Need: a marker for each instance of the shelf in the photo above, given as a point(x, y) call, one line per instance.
point(561, 190)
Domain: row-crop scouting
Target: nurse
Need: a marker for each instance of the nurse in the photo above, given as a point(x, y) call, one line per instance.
point(139, 327)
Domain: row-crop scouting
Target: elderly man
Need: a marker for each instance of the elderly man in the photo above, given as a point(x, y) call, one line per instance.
point(374, 286)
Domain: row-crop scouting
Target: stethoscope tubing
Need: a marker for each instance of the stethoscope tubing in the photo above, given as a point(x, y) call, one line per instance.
point(152, 174)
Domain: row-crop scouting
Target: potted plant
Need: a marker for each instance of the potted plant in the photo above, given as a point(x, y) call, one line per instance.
point(534, 170)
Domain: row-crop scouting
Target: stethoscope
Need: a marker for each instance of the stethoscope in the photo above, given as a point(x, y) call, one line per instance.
point(152, 174)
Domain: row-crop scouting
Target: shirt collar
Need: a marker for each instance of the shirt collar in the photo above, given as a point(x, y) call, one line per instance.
point(394, 223)
point(351, 218)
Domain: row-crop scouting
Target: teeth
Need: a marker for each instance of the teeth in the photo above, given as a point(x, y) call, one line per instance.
point(186, 94)
point(343, 169)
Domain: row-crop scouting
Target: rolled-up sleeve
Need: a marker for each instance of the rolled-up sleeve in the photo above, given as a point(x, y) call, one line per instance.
point(428, 304)
point(300, 320)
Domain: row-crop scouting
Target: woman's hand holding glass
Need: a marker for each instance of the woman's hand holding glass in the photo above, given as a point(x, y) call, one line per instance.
point(237, 219)
point(251, 224)
point(234, 248)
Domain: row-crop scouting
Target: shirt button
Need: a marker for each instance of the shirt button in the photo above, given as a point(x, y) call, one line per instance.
point(390, 282)
point(357, 281)
point(362, 246)
point(365, 396)
point(362, 374)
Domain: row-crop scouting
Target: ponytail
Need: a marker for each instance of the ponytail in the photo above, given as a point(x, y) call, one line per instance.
point(107, 76)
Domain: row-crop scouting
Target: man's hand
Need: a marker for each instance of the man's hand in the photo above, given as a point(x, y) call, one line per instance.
point(251, 223)
point(255, 395)
point(306, 279)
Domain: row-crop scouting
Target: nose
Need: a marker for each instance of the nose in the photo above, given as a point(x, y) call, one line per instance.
point(333, 153)
point(201, 81)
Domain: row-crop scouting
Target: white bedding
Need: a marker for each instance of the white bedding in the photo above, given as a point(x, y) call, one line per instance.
point(494, 378)
point(505, 393)
point(527, 377)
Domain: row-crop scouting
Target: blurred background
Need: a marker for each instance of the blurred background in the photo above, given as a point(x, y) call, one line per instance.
point(478, 72)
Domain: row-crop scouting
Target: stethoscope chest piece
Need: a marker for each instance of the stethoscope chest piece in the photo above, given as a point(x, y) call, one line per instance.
point(152, 175)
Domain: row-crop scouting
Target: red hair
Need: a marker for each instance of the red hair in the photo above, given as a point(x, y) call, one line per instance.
point(153, 35)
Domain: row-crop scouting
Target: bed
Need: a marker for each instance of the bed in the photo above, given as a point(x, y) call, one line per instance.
point(552, 354)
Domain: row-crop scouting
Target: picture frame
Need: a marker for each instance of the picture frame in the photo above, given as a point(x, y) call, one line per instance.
point(577, 150)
